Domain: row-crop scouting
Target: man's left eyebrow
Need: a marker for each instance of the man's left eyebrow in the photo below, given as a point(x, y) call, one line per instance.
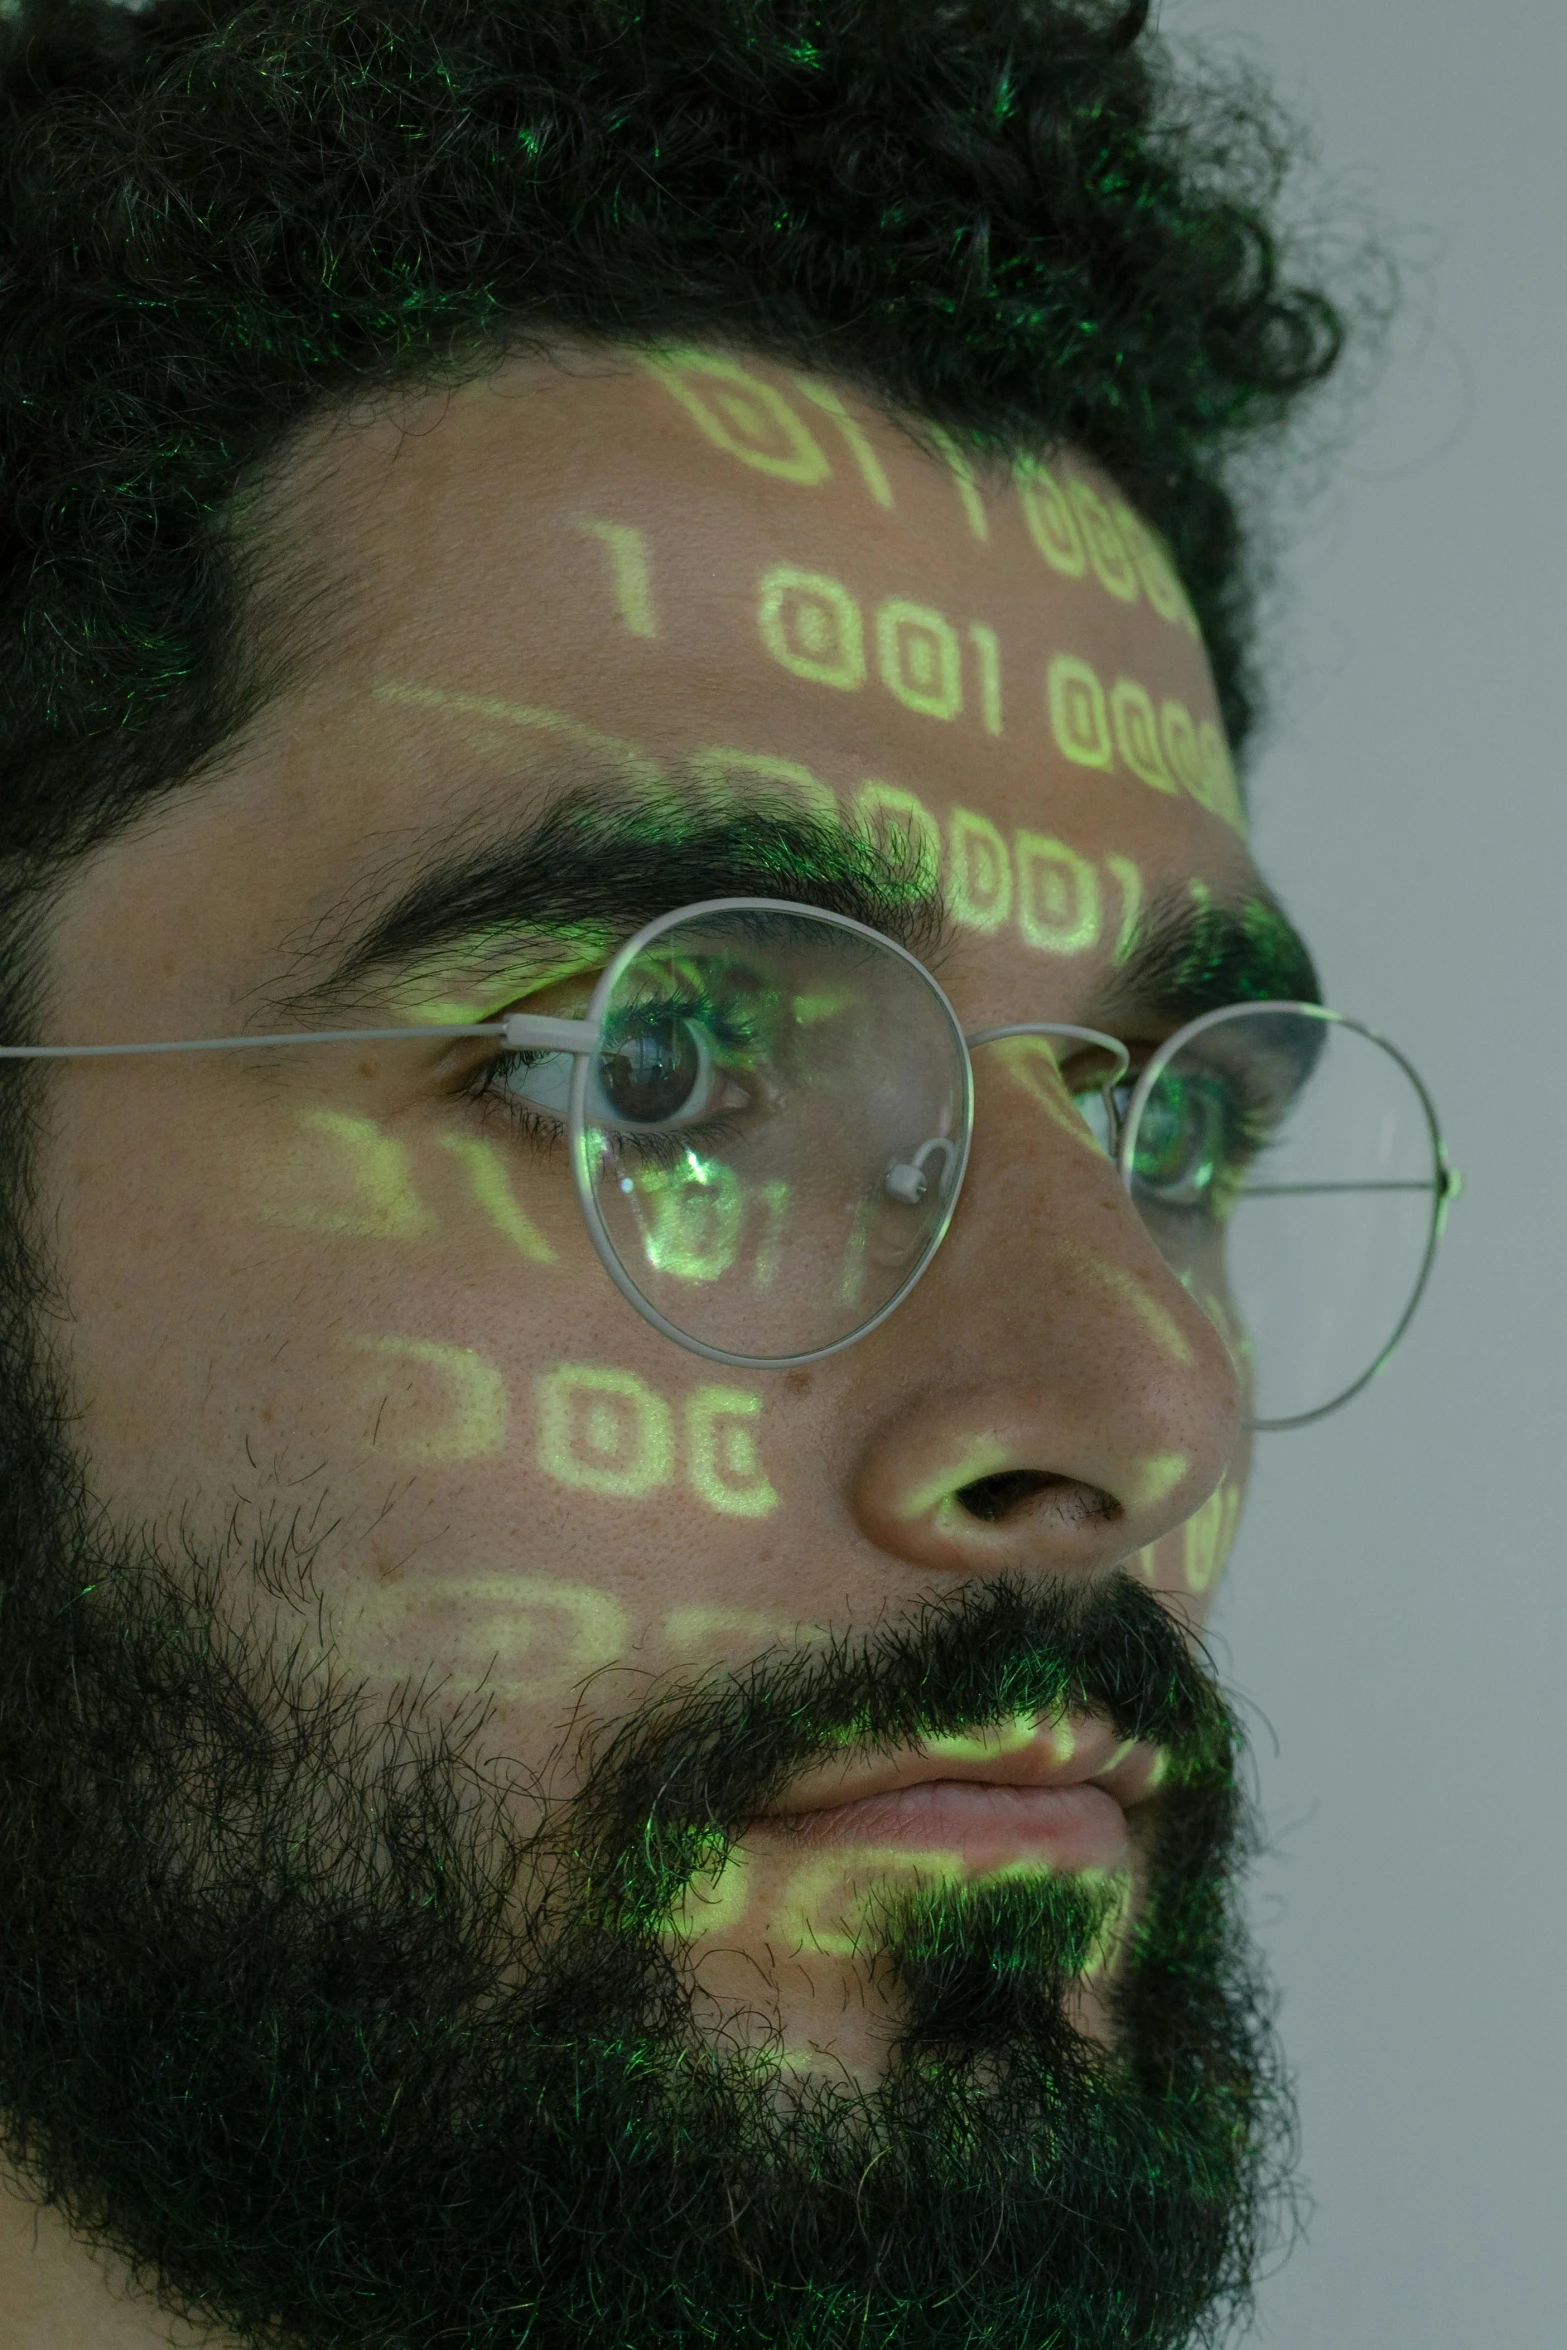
point(591, 870)
point(1196, 952)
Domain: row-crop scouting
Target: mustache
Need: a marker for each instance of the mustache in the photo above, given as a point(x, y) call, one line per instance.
point(670, 1787)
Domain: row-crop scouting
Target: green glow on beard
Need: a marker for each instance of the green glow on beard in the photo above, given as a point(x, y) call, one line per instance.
point(314, 2012)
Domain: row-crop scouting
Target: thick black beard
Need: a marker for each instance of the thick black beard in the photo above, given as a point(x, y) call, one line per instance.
point(299, 2017)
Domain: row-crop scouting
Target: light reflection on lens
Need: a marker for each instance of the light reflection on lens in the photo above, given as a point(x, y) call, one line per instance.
point(813, 1096)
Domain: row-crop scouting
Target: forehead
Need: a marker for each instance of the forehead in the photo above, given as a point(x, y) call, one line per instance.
point(701, 564)
point(699, 534)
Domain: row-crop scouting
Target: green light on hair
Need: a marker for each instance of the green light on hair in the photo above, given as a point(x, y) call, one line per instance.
point(828, 1908)
point(713, 1900)
point(1008, 1736)
point(900, 819)
point(732, 774)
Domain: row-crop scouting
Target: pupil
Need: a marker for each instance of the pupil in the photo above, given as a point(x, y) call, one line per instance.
point(650, 1074)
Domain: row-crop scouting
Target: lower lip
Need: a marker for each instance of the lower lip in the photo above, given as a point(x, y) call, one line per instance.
point(992, 1827)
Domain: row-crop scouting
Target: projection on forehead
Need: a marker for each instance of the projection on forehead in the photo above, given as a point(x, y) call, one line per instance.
point(813, 626)
point(1045, 891)
point(1079, 534)
point(628, 559)
point(941, 665)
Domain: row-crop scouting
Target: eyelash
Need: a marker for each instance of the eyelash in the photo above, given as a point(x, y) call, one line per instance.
point(545, 1132)
point(545, 1135)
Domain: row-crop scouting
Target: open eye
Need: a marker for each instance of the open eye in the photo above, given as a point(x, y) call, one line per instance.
point(658, 1070)
point(1186, 1141)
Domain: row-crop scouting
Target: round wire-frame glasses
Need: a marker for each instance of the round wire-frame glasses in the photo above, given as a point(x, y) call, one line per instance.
point(808, 1196)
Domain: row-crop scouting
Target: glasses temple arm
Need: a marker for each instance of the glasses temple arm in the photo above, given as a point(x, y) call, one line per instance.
point(521, 1030)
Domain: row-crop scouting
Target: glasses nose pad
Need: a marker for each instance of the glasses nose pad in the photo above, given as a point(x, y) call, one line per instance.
point(1096, 1107)
point(906, 1179)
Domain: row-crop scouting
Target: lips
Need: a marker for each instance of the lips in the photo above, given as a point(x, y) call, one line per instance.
point(1049, 1793)
point(990, 1827)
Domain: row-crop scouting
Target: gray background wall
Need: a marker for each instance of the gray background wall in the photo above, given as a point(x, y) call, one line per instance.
point(1396, 1609)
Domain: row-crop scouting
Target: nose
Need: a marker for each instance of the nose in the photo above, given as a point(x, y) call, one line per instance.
point(1049, 1396)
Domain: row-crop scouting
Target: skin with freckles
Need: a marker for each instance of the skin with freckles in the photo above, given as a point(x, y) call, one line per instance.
point(330, 1299)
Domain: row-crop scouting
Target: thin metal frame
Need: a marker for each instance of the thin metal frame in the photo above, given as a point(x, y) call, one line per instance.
point(576, 1117)
point(576, 1126)
point(527, 1031)
point(1445, 1186)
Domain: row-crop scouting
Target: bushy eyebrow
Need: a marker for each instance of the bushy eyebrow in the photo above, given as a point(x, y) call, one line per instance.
point(1195, 953)
point(600, 860)
point(598, 863)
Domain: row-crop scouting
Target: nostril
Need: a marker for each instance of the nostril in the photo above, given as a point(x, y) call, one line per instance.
point(994, 1498)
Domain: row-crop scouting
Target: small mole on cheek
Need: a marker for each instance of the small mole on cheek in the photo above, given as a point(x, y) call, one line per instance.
point(797, 1382)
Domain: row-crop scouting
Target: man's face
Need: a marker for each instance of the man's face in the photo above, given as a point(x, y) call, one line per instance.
point(334, 1326)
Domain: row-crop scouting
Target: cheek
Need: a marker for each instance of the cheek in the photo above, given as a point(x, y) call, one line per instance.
point(405, 1361)
point(341, 1287)
point(563, 1614)
point(590, 1525)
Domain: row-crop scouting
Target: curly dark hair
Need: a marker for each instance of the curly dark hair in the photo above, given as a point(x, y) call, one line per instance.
point(1015, 218)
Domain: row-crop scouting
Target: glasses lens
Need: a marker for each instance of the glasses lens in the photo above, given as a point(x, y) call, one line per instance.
point(774, 1129)
point(1287, 1166)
